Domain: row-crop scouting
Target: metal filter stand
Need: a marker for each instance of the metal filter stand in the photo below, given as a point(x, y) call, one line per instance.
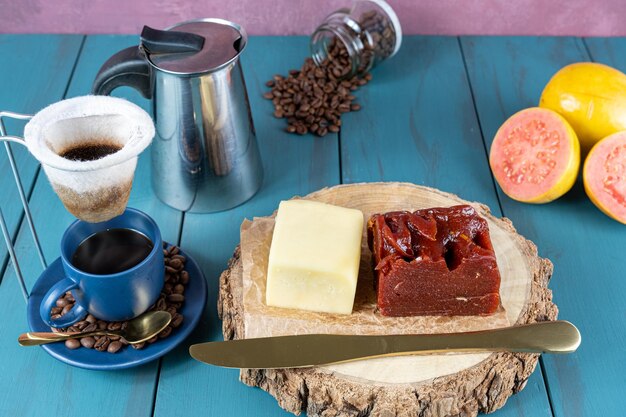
point(18, 181)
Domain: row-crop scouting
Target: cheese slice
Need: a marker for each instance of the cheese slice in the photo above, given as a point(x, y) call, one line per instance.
point(314, 257)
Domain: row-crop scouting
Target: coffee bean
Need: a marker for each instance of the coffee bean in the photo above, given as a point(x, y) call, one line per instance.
point(176, 298)
point(101, 324)
point(165, 332)
point(116, 325)
point(102, 343)
point(72, 344)
point(177, 320)
point(69, 297)
point(178, 289)
point(114, 346)
point(176, 263)
point(138, 345)
point(90, 318)
point(180, 257)
point(170, 270)
point(90, 327)
point(81, 325)
point(161, 305)
point(184, 277)
point(153, 339)
point(62, 302)
point(270, 83)
point(355, 107)
point(56, 310)
point(174, 250)
point(67, 308)
point(87, 342)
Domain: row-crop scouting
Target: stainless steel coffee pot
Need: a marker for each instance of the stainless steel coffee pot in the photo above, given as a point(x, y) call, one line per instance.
point(205, 156)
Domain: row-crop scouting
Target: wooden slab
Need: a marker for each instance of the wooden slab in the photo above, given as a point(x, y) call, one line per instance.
point(437, 385)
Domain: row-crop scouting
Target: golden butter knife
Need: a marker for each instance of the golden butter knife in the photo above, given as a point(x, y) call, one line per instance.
point(323, 349)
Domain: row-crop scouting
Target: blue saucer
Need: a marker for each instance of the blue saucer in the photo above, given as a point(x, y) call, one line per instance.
point(195, 301)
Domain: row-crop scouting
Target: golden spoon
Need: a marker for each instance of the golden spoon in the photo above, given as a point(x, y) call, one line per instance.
point(138, 330)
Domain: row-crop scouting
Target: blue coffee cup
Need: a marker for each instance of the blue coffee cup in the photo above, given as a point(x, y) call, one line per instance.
point(113, 297)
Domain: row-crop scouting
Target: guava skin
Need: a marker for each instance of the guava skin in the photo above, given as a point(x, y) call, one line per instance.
point(591, 97)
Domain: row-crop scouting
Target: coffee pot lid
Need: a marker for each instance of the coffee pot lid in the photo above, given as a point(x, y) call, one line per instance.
point(198, 46)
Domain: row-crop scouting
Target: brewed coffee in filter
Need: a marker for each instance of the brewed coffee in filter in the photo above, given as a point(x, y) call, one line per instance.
point(88, 148)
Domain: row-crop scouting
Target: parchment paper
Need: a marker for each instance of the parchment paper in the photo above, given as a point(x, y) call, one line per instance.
point(261, 320)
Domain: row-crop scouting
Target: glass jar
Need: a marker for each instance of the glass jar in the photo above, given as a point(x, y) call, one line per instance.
point(362, 36)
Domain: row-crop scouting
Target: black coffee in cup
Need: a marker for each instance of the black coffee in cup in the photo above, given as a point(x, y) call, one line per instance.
point(111, 251)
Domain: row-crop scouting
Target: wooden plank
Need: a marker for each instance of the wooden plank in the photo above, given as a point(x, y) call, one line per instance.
point(39, 381)
point(293, 166)
point(35, 71)
point(508, 74)
point(418, 124)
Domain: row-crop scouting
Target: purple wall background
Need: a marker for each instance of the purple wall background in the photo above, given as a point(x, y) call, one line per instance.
point(288, 17)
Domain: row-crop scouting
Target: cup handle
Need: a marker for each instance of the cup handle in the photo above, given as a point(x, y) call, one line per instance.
point(76, 314)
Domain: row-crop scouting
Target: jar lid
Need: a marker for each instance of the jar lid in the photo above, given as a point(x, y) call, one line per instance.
point(223, 42)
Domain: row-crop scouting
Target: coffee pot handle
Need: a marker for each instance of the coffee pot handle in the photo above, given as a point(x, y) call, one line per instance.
point(129, 68)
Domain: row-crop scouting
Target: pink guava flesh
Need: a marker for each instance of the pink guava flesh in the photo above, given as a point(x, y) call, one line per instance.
point(605, 175)
point(530, 153)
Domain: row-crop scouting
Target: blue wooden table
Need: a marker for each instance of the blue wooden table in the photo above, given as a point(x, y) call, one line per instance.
point(428, 117)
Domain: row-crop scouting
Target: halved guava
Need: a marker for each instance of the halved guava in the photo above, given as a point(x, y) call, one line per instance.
point(604, 175)
point(535, 156)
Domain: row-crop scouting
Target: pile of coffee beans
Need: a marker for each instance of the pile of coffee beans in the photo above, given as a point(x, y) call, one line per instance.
point(171, 300)
point(312, 99)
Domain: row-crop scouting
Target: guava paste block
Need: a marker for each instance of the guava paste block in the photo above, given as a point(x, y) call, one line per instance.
point(434, 262)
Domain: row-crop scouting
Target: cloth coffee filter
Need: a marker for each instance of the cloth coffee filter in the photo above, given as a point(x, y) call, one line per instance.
point(96, 190)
